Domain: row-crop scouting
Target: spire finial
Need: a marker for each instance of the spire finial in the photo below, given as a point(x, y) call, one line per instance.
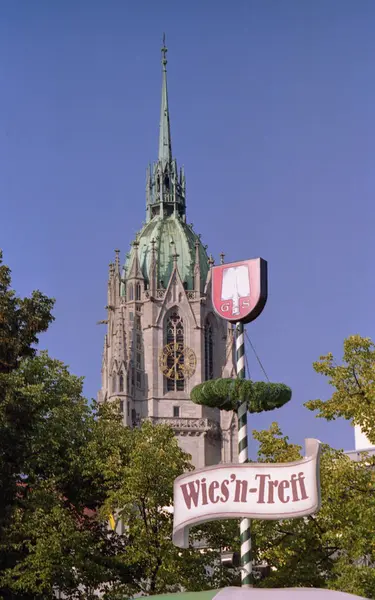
point(117, 260)
point(165, 145)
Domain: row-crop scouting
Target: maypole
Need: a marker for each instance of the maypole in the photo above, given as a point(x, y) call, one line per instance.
point(245, 525)
point(244, 490)
point(239, 293)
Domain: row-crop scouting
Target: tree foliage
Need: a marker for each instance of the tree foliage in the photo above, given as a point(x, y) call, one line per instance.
point(354, 383)
point(51, 488)
point(54, 535)
point(21, 321)
point(142, 501)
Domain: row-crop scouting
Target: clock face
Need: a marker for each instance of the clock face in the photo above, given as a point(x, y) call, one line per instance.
point(177, 362)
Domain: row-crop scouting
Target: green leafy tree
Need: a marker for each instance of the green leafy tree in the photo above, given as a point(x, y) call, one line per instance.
point(142, 501)
point(354, 385)
point(21, 321)
point(55, 536)
point(51, 532)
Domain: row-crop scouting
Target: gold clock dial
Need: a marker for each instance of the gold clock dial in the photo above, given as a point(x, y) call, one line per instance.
point(177, 362)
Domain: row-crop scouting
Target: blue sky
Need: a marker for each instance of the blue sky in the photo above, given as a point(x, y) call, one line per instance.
point(272, 114)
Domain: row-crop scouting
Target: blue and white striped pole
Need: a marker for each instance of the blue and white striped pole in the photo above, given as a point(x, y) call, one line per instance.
point(245, 525)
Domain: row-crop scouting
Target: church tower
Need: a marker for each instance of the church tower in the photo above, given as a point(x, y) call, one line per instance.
point(163, 337)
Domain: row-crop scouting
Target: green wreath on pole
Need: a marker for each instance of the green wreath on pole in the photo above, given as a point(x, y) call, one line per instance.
point(228, 394)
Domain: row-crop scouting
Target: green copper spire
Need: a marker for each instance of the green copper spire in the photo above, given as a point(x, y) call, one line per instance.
point(166, 240)
point(165, 185)
point(165, 146)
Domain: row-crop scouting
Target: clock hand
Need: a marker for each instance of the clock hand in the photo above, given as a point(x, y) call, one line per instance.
point(173, 366)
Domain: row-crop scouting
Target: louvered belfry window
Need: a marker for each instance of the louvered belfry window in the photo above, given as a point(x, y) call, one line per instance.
point(175, 334)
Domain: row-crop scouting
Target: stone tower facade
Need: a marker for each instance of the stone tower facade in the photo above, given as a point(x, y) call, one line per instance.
point(162, 336)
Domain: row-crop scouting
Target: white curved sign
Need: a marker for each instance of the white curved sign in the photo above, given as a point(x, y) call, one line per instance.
point(254, 490)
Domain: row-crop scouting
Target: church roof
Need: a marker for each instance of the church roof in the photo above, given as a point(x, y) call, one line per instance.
point(172, 236)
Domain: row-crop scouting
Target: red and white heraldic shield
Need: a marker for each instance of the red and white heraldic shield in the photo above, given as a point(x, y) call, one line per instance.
point(239, 290)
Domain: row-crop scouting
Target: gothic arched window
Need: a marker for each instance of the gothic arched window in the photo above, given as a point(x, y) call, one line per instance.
point(130, 292)
point(121, 383)
point(175, 335)
point(208, 351)
point(138, 291)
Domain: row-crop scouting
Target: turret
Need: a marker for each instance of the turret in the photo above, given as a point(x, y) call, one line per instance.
point(134, 278)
